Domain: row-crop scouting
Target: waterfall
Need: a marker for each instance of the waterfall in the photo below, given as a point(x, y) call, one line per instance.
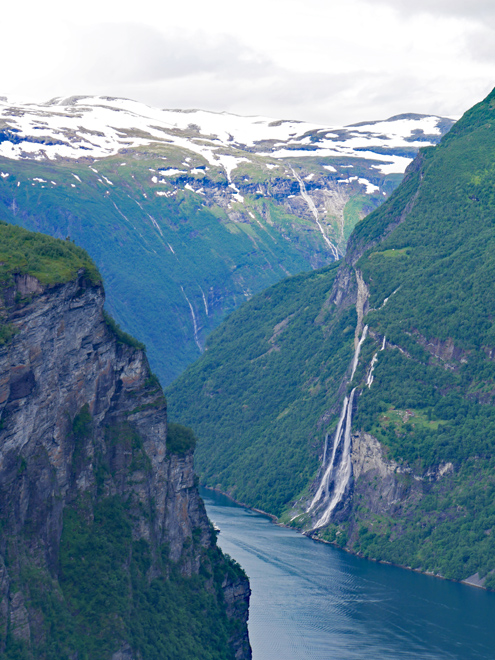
point(205, 302)
point(312, 207)
point(369, 376)
point(338, 472)
point(357, 351)
point(195, 324)
point(328, 474)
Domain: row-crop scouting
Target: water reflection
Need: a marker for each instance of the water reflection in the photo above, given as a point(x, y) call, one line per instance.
point(311, 601)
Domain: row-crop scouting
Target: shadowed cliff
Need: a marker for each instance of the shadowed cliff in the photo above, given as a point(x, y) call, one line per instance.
point(105, 547)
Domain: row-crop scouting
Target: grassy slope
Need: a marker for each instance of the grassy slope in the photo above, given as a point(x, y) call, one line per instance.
point(438, 267)
point(441, 264)
point(50, 260)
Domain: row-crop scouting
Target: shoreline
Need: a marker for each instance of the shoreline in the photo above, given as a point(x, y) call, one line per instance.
point(471, 581)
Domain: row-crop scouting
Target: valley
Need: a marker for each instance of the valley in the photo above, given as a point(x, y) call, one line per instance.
point(189, 213)
point(355, 403)
point(318, 301)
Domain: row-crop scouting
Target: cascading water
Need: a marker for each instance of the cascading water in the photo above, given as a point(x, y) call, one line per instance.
point(336, 477)
point(337, 474)
point(312, 207)
point(322, 494)
point(195, 323)
point(369, 376)
point(356, 353)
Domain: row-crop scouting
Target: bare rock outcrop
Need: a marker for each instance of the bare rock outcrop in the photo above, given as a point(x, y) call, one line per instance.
point(82, 419)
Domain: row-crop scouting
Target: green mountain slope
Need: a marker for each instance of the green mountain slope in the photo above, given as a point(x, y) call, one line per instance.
point(188, 214)
point(257, 394)
point(411, 479)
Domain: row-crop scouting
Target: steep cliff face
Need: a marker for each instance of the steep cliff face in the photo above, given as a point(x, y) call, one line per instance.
point(105, 547)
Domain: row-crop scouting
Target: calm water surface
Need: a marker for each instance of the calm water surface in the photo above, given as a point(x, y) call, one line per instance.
point(311, 601)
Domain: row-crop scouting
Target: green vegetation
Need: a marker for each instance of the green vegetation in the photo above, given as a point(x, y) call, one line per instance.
point(111, 588)
point(432, 403)
point(450, 531)
point(50, 260)
point(105, 595)
point(121, 336)
point(155, 252)
point(180, 439)
point(438, 270)
point(7, 331)
point(101, 565)
point(258, 397)
point(428, 258)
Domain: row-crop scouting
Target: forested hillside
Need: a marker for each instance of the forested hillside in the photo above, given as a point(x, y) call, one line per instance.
point(413, 303)
point(187, 214)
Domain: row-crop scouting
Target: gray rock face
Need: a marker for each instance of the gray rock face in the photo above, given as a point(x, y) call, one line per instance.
point(375, 476)
point(65, 359)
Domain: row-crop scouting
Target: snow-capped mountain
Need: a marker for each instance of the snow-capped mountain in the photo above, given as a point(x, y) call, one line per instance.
point(210, 207)
point(98, 127)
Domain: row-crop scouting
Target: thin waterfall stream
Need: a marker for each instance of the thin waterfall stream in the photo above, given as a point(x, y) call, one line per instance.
point(337, 474)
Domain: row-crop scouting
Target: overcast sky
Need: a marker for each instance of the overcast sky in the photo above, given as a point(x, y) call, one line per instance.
point(327, 61)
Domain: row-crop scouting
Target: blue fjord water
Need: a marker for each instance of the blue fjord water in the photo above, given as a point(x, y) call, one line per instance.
point(311, 601)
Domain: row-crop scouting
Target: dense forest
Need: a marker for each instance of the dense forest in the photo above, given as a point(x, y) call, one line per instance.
point(279, 367)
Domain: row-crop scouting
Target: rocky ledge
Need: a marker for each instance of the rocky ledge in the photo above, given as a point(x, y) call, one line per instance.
point(105, 547)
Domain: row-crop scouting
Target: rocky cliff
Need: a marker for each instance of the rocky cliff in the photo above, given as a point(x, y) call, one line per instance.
point(105, 547)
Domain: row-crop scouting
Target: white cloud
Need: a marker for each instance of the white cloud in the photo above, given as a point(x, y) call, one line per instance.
point(318, 60)
point(472, 9)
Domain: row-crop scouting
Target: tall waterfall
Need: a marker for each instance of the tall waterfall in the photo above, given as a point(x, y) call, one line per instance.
point(338, 473)
point(312, 207)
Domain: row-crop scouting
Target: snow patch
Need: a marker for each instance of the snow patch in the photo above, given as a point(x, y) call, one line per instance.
point(230, 163)
point(370, 187)
point(98, 127)
point(172, 172)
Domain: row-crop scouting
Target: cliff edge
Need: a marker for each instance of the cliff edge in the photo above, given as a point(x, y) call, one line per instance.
point(105, 547)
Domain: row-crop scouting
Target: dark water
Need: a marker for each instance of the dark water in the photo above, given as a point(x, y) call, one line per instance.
point(311, 601)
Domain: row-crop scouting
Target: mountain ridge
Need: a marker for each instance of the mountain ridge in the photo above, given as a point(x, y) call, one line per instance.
point(183, 222)
point(389, 373)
